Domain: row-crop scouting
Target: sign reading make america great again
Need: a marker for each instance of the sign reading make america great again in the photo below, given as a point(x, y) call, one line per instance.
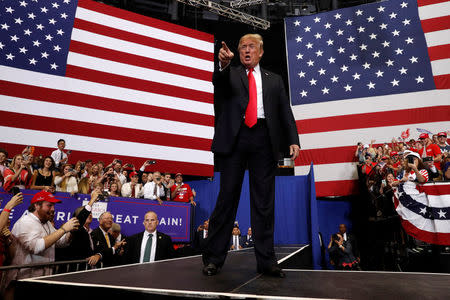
point(174, 217)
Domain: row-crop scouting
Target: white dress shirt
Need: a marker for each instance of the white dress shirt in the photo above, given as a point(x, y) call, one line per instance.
point(259, 91)
point(30, 247)
point(149, 191)
point(56, 155)
point(122, 177)
point(236, 242)
point(144, 243)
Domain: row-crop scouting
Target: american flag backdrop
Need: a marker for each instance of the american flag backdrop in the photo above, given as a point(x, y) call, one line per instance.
point(110, 82)
point(368, 72)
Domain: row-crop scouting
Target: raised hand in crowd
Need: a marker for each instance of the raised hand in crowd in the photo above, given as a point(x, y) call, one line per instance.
point(71, 225)
point(4, 216)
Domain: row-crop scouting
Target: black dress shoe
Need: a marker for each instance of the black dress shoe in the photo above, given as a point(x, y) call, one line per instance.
point(274, 271)
point(210, 269)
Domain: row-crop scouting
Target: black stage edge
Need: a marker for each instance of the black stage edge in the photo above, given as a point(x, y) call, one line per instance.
point(182, 278)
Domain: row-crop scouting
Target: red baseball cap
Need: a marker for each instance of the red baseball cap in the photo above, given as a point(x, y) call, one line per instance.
point(443, 133)
point(132, 174)
point(44, 196)
point(384, 157)
point(393, 153)
point(423, 136)
point(178, 174)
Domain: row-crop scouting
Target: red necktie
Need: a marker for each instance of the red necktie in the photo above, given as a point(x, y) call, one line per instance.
point(250, 113)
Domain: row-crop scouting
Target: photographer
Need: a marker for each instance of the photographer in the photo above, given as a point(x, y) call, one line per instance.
point(108, 178)
point(414, 170)
point(341, 254)
point(117, 166)
point(433, 172)
point(68, 181)
point(155, 189)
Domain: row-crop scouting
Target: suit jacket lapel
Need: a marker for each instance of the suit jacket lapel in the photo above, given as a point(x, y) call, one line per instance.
point(138, 246)
point(243, 74)
point(264, 80)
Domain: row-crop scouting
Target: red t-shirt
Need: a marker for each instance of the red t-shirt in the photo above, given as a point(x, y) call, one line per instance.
point(183, 194)
point(23, 179)
point(433, 150)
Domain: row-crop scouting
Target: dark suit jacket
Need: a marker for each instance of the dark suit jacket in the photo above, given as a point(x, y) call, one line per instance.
point(246, 243)
point(199, 240)
point(230, 104)
point(100, 246)
point(164, 247)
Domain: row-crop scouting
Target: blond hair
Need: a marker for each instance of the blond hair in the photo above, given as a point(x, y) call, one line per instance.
point(252, 36)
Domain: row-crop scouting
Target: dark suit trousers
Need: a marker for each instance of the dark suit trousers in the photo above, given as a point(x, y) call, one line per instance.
point(252, 148)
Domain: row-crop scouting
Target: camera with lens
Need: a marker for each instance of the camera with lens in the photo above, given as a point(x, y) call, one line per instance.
point(82, 165)
point(103, 196)
point(428, 158)
point(110, 175)
point(411, 159)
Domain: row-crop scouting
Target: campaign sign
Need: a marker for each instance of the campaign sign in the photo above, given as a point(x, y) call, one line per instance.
point(174, 217)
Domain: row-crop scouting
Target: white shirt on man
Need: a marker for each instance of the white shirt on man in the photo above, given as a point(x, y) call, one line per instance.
point(58, 155)
point(144, 243)
point(29, 232)
point(149, 191)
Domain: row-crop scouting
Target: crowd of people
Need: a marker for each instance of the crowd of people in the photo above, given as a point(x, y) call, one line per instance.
point(54, 173)
point(28, 243)
point(381, 169)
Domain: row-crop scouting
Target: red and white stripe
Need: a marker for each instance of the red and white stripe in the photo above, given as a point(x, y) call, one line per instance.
point(330, 131)
point(136, 88)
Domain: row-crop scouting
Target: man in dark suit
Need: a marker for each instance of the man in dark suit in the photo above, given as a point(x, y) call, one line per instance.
point(252, 113)
point(149, 245)
point(350, 238)
point(104, 242)
point(201, 235)
point(82, 245)
point(247, 240)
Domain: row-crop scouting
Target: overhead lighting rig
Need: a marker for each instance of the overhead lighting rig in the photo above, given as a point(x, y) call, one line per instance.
point(229, 12)
point(245, 3)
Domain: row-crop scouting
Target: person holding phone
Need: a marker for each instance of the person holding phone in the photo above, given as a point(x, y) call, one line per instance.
point(67, 182)
point(414, 169)
point(17, 174)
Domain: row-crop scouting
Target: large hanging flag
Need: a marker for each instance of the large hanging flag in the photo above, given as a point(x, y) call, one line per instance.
point(425, 211)
point(110, 82)
point(367, 72)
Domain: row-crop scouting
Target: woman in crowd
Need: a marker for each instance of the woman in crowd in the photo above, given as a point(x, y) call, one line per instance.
point(17, 174)
point(3, 164)
point(67, 182)
point(114, 190)
point(43, 177)
point(94, 177)
point(414, 169)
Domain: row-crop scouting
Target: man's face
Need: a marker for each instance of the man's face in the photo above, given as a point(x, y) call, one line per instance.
point(206, 224)
point(167, 178)
point(134, 179)
point(106, 221)
point(250, 52)
point(249, 231)
point(342, 228)
point(144, 177)
point(179, 179)
point(61, 145)
point(150, 177)
point(157, 177)
point(2, 157)
point(117, 167)
point(236, 231)
point(441, 139)
point(150, 221)
point(45, 211)
point(115, 234)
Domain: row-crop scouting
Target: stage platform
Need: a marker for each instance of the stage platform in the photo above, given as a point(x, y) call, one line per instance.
point(182, 278)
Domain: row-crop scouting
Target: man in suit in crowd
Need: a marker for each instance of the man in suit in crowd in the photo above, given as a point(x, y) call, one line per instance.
point(104, 242)
point(201, 235)
point(247, 240)
point(82, 245)
point(252, 113)
point(349, 238)
point(149, 245)
point(236, 242)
